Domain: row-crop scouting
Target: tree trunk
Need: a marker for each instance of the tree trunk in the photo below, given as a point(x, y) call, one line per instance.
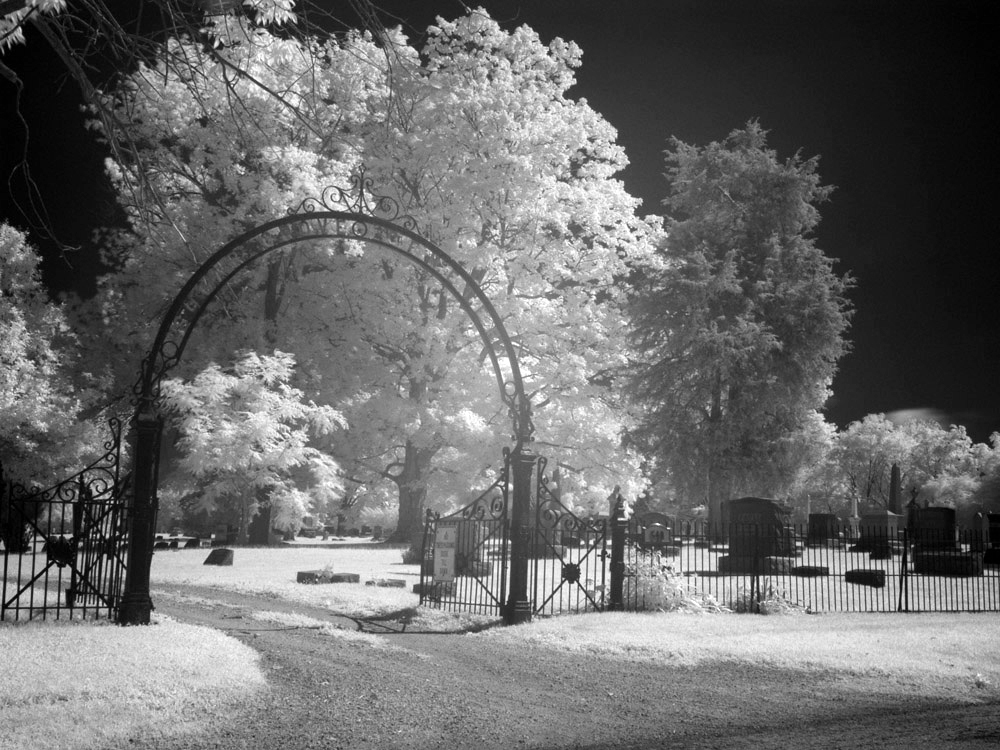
point(412, 484)
point(716, 475)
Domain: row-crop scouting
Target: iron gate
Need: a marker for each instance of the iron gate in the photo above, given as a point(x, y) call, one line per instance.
point(65, 546)
point(568, 554)
point(466, 553)
point(466, 561)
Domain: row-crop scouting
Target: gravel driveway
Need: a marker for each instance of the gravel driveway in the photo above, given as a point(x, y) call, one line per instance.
point(414, 690)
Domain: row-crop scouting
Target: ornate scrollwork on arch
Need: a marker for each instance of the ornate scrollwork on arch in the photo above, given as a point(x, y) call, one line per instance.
point(360, 199)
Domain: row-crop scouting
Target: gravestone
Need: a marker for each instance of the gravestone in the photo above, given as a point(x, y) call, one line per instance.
point(935, 528)
point(992, 555)
point(822, 529)
point(657, 531)
point(879, 533)
point(757, 533)
point(756, 527)
point(219, 556)
point(935, 546)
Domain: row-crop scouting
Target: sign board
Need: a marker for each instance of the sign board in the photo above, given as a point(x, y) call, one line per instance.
point(445, 539)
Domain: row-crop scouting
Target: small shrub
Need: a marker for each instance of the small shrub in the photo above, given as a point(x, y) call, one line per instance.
point(650, 584)
point(768, 599)
point(413, 555)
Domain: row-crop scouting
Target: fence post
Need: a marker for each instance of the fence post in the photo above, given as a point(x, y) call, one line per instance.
point(429, 519)
point(903, 604)
point(619, 525)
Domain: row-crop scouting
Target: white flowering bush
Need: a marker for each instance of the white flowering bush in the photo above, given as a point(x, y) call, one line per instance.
point(653, 584)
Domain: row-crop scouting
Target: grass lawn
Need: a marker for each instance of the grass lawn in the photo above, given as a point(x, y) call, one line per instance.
point(64, 685)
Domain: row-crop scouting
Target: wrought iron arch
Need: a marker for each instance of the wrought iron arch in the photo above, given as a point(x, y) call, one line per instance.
point(354, 214)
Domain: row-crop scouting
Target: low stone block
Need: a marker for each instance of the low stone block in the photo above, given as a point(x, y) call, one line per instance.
point(810, 571)
point(774, 566)
point(313, 576)
point(387, 583)
point(873, 578)
point(433, 590)
point(345, 578)
point(219, 556)
point(948, 563)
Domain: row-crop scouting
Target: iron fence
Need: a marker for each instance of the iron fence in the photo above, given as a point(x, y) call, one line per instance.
point(846, 570)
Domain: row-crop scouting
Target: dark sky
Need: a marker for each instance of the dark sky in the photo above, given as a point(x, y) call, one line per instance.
point(892, 96)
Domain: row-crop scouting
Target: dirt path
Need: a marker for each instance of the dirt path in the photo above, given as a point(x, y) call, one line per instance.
point(426, 691)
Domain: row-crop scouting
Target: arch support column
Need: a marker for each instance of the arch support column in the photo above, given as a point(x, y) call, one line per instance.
point(518, 607)
point(136, 605)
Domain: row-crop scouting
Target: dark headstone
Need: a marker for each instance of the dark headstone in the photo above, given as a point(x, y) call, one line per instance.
point(162, 544)
point(822, 528)
point(756, 528)
point(219, 556)
point(192, 543)
point(935, 528)
point(993, 525)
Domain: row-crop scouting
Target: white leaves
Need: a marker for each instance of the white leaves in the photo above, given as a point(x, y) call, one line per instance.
point(250, 428)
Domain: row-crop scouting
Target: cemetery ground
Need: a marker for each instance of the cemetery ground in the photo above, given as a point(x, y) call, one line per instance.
point(245, 657)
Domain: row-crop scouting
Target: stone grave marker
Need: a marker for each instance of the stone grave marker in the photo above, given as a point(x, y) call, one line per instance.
point(935, 545)
point(823, 528)
point(219, 556)
point(992, 555)
point(879, 534)
point(935, 528)
point(758, 539)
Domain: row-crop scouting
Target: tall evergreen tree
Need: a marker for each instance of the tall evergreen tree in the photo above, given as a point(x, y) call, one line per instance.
point(739, 325)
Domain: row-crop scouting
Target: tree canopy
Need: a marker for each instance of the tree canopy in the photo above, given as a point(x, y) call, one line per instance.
point(739, 324)
point(475, 137)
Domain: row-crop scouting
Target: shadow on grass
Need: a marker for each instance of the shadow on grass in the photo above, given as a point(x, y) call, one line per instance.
point(401, 621)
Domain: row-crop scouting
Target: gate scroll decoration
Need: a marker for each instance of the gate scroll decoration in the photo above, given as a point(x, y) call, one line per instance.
point(66, 545)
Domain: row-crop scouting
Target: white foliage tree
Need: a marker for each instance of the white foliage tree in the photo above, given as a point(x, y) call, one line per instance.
point(41, 391)
point(248, 434)
point(476, 137)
